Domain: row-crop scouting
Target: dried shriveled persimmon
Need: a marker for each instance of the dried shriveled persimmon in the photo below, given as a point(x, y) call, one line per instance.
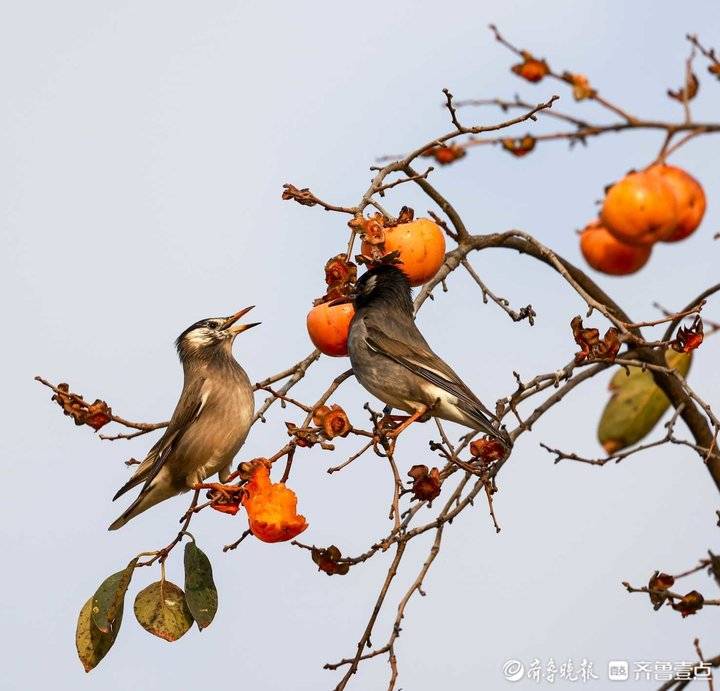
point(604, 252)
point(640, 209)
point(531, 69)
point(689, 197)
point(271, 508)
point(420, 244)
point(445, 154)
point(328, 326)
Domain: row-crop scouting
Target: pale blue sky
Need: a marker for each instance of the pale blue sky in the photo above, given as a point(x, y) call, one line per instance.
point(143, 149)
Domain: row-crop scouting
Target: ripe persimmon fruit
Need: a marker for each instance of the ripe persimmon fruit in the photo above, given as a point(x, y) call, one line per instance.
point(640, 209)
point(604, 252)
point(328, 326)
point(421, 244)
point(689, 197)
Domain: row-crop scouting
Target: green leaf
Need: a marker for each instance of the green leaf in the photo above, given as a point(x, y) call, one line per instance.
point(109, 598)
point(161, 609)
point(92, 644)
point(636, 404)
point(200, 592)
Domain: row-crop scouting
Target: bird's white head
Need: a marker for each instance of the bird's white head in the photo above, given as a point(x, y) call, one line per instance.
point(207, 334)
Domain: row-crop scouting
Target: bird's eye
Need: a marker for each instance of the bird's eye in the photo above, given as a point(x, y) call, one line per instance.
point(212, 325)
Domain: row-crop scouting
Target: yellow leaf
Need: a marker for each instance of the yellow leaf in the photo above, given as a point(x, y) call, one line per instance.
point(636, 404)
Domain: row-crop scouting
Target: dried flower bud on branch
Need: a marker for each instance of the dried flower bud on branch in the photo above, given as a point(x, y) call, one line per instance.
point(95, 415)
point(690, 338)
point(519, 146)
point(531, 69)
point(592, 347)
point(446, 154)
point(691, 603)
point(333, 421)
point(426, 482)
point(328, 560)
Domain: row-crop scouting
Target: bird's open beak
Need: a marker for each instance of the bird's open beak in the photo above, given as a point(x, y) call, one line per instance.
point(239, 328)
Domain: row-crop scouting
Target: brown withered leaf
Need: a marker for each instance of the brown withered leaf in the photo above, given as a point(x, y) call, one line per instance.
point(658, 586)
point(688, 339)
point(689, 91)
point(95, 415)
point(690, 603)
point(531, 69)
point(327, 559)
point(487, 449)
point(592, 347)
point(302, 196)
point(519, 146)
point(581, 88)
point(333, 420)
point(426, 482)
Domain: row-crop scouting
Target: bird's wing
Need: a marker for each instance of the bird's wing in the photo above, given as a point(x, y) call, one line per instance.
point(424, 363)
point(188, 410)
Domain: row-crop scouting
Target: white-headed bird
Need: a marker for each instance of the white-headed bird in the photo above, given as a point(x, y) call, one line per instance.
point(210, 422)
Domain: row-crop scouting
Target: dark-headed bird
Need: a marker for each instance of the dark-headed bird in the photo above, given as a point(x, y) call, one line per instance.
point(210, 422)
point(392, 360)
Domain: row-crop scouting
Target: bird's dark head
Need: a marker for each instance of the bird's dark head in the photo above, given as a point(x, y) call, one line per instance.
point(210, 336)
point(384, 283)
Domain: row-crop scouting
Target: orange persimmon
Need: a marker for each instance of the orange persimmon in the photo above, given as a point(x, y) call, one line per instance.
point(689, 196)
point(604, 252)
point(421, 244)
point(328, 326)
point(640, 209)
point(271, 508)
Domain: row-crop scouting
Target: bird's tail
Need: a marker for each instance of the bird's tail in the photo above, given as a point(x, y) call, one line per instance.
point(151, 495)
point(503, 437)
point(486, 422)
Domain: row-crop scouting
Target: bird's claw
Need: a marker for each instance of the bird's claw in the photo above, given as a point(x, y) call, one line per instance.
point(226, 492)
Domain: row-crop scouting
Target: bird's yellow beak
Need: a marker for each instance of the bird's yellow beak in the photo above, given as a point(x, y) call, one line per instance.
point(239, 328)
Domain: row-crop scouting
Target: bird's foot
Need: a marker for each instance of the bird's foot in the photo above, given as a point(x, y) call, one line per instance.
point(389, 422)
point(223, 498)
point(227, 492)
point(407, 420)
